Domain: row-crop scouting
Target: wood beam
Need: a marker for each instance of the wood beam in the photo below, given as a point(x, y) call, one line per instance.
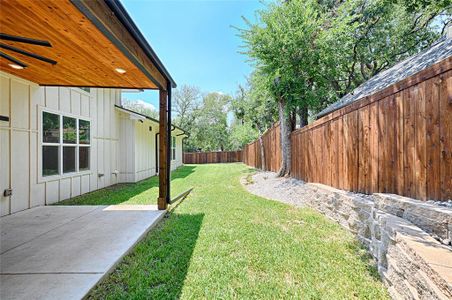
point(169, 140)
point(86, 55)
point(163, 152)
point(106, 21)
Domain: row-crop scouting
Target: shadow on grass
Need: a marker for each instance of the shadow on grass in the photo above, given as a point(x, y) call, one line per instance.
point(142, 192)
point(363, 254)
point(249, 171)
point(158, 266)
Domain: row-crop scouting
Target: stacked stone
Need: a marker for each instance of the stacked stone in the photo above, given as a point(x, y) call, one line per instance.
point(398, 232)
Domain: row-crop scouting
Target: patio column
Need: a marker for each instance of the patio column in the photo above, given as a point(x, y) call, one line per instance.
point(169, 140)
point(163, 152)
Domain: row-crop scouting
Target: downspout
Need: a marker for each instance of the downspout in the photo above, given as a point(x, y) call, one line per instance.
point(157, 152)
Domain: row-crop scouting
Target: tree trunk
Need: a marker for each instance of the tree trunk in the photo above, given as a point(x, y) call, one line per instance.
point(293, 120)
point(286, 155)
point(303, 114)
point(261, 142)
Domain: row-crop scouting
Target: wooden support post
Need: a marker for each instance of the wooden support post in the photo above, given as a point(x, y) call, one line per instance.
point(163, 151)
point(169, 128)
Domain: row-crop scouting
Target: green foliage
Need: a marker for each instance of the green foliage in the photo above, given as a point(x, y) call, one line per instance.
point(254, 104)
point(69, 130)
point(254, 111)
point(241, 134)
point(209, 130)
point(141, 107)
point(321, 50)
point(366, 37)
point(284, 45)
point(187, 99)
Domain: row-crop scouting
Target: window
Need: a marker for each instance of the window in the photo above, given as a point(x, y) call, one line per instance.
point(173, 148)
point(65, 144)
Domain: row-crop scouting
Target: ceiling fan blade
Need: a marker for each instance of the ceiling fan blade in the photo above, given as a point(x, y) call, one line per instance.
point(17, 50)
point(12, 59)
point(20, 39)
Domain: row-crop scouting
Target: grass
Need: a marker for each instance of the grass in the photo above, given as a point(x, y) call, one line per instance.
point(143, 192)
point(224, 243)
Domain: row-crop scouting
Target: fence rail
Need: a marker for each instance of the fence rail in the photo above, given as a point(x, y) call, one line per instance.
point(398, 140)
point(212, 157)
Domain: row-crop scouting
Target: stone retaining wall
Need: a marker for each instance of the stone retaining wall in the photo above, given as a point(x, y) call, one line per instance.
point(408, 238)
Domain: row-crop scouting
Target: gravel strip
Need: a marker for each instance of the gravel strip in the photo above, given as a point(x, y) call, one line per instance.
point(294, 191)
point(287, 190)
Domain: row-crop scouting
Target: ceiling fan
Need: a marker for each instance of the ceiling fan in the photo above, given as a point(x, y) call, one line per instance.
point(17, 64)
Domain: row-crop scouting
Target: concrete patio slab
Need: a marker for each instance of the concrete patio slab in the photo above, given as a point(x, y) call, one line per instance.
point(61, 252)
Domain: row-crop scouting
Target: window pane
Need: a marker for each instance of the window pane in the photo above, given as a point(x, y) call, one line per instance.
point(84, 131)
point(174, 154)
point(49, 160)
point(69, 132)
point(68, 159)
point(50, 128)
point(83, 158)
point(86, 89)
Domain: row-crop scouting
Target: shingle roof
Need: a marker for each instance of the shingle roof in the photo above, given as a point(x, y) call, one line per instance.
point(440, 50)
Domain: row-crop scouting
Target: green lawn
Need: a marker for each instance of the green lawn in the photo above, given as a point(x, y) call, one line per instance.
point(224, 243)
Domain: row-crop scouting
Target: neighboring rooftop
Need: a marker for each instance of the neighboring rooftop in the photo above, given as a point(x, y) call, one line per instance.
point(439, 51)
point(127, 110)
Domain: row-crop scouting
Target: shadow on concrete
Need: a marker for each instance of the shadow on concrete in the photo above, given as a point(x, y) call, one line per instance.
point(158, 266)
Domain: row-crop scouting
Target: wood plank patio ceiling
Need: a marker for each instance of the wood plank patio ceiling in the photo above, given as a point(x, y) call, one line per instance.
point(87, 54)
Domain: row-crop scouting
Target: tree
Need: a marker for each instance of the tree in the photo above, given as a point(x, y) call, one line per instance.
point(283, 46)
point(241, 134)
point(210, 127)
point(366, 37)
point(186, 101)
point(314, 52)
point(254, 108)
point(141, 107)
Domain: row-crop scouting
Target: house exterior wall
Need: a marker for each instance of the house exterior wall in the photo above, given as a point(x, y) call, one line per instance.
point(20, 149)
point(126, 148)
point(122, 149)
point(145, 150)
point(137, 148)
point(179, 153)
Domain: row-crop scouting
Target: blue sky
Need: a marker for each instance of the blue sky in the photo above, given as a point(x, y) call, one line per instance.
point(195, 41)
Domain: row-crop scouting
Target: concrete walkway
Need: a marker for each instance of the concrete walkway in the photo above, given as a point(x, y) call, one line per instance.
point(61, 252)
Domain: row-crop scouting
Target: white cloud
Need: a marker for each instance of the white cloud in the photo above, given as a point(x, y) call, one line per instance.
point(145, 104)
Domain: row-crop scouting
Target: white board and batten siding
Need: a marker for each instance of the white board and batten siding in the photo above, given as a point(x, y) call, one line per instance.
point(178, 160)
point(122, 148)
point(145, 149)
point(23, 101)
point(138, 148)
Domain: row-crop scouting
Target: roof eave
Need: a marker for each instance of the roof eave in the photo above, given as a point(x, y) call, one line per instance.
point(147, 117)
point(120, 11)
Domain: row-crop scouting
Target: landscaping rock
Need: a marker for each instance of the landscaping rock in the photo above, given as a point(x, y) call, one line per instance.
point(408, 238)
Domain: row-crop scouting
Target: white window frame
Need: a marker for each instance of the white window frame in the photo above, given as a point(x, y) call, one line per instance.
point(173, 147)
point(60, 145)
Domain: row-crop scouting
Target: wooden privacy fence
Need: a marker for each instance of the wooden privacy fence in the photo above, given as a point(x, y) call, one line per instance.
point(398, 140)
point(212, 157)
point(272, 150)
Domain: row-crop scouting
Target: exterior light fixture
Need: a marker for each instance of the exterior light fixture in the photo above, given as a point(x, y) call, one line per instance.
point(120, 71)
point(17, 67)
